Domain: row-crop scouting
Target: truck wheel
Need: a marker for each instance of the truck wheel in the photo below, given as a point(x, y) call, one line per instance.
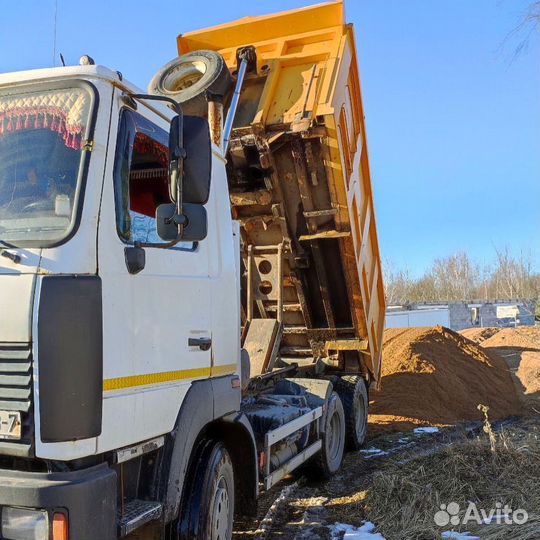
point(328, 461)
point(186, 79)
point(208, 512)
point(353, 393)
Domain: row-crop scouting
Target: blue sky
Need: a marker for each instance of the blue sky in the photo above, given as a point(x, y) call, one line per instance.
point(452, 120)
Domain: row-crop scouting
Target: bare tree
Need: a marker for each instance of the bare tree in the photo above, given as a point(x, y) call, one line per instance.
point(459, 278)
point(514, 276)
point(397, 283)
point(455, 277)
point(425, 290)
point(528, 24)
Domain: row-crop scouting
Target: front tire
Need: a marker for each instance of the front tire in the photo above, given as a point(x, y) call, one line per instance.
point(208, 511)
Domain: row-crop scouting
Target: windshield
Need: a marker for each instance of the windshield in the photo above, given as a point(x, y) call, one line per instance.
point(42, 135)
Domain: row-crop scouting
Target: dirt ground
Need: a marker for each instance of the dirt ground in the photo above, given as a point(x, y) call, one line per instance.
point(399, 489)
point(427, 447)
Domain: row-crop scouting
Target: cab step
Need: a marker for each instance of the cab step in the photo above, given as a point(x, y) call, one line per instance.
point(137, 513)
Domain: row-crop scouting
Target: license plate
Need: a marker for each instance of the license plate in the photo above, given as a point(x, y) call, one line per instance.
point(10, 425)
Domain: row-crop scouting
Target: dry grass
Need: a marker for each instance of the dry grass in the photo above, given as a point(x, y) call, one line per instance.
point(402, 497)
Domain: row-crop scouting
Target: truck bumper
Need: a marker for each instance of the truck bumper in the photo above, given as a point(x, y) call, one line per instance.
point(88, 496)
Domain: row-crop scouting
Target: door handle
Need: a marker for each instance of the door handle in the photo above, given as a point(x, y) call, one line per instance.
point(204, 343)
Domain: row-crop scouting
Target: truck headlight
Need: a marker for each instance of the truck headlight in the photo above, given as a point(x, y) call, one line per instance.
point(24, 524)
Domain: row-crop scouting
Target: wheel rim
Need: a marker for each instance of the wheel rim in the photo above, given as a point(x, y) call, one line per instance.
point(221, 511)
point(360, 418)
point(334, 441)
point(193, 73)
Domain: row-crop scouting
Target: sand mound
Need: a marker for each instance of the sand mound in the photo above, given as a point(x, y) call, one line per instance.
point(478, 335)
point(522, 337)
point(520, 349)
point(436, 376)
point(528, 372)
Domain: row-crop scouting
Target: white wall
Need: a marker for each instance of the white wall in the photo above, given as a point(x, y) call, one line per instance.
point(418, 317)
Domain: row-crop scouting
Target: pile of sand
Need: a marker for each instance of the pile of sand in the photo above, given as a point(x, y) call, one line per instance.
point(523, 337)
point(520, 348)
point(478, 335)
point(434, 376)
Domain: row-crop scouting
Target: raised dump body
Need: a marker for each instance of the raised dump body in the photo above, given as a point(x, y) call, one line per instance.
point(300, 185)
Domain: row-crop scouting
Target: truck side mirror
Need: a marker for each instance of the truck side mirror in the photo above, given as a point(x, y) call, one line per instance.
point(190, 169)
point(193, 219)
point(197, 163)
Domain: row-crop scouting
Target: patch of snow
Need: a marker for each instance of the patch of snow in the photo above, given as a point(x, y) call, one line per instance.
point(428, 429)
point(454, 535)
point(373, 452)
point(340, 531)
point(403, 440)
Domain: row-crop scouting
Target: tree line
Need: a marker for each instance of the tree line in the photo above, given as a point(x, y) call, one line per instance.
point(459, 277)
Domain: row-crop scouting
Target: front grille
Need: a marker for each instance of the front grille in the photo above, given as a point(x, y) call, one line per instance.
point(16, 394)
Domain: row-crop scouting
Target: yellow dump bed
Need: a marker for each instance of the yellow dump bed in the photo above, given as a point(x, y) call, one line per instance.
point(301, 189)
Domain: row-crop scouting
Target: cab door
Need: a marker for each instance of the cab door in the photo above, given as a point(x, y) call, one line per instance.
point(157, 334)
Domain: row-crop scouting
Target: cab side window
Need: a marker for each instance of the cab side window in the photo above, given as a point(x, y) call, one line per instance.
point(140, 177)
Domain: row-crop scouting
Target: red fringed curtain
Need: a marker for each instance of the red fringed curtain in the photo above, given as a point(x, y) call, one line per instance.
point(52, 118)
point(145, 196)
point(146, 145)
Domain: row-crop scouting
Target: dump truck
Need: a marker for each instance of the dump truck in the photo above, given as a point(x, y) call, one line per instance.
point(192, 300)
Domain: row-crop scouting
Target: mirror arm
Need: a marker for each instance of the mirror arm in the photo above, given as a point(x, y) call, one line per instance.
point(168, 245)
point(179, 219)
point(175, 105)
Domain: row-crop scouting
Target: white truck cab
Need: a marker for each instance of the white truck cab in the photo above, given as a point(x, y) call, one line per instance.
point(99, 348)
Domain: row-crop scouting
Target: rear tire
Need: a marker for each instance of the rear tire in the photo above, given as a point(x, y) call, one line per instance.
point(208, 511)
point(328, 461)
point(189, 77)
point(353, 392)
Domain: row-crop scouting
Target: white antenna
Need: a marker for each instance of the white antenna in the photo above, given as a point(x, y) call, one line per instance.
point(54, 41)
